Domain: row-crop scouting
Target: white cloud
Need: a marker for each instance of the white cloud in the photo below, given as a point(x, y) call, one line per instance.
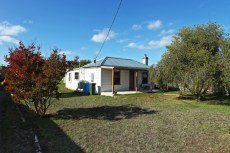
point(137, 46)
point(136, 27)
point(67, 52)
point(154, 25)
point(101, 35)
point(166, 32)
point(163, 42)
point(8, 39)
point(8, 31)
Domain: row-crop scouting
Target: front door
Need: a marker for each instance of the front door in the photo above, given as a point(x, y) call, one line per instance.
point(131, 80)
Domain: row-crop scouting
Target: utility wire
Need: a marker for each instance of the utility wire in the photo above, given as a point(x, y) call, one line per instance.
point(114, 18)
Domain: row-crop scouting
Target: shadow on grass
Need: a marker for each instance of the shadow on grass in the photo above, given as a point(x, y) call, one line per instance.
point(111, 113)
point(217, 100)
point(209, 99)
point(71, 94)
point(186, 97)
point(15, 135)
point(52, 138)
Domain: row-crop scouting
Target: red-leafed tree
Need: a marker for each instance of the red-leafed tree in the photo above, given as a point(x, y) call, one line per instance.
point(32, 78)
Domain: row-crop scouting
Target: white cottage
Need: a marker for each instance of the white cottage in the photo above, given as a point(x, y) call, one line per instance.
point(111, 74)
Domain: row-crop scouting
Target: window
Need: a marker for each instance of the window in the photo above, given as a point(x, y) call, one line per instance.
point(144, 77)
point(76, 75)
point(117, 77)
point(92, 77)
point(69, 76)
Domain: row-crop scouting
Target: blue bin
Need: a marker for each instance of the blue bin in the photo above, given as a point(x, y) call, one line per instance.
point(86, 88)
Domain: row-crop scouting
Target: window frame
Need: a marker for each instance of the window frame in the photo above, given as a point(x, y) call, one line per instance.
point(144, 79)
point(117, 77)
point(70, 77)
point(77, 75)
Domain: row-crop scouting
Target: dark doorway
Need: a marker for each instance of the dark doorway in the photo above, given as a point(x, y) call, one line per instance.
point(131, 80)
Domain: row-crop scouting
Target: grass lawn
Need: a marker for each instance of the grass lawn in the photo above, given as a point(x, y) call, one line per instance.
point(134, 123)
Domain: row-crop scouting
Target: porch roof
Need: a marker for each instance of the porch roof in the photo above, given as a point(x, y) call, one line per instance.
point(118, 63)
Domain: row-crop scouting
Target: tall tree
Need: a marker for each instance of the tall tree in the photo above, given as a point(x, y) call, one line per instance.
point(225, 64)
point(83, 62)
point(32, 78)
point(76, 63)
point(191, 59)
point(163, 73)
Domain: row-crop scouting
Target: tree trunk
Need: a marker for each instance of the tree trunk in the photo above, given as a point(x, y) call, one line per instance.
point(198, 97)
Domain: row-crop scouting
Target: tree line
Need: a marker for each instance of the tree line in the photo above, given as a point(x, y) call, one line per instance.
point(197, 60)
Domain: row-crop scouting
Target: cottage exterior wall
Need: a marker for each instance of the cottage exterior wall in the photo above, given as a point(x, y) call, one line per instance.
point(91, 75)
point(102, 77)
point(70, 81)
point(107, 80)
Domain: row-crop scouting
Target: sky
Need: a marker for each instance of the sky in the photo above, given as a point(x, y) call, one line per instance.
point(78, 27)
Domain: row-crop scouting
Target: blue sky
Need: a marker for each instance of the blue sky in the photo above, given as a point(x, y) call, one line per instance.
point(78, 27)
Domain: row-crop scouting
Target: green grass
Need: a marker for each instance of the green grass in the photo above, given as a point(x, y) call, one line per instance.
point(134, 123)
point(62, 88)
point(156, 122)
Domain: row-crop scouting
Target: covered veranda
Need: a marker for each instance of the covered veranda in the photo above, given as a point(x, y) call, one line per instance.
point(122, 81)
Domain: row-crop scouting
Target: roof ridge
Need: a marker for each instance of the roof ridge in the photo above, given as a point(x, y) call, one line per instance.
point(102, 63)
point(118, 62)
point(127, 59)
point(120, 58)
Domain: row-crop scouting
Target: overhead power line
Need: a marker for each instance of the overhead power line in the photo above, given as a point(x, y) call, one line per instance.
point(114, 18)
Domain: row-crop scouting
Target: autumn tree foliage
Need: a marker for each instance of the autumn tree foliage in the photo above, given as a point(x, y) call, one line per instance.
point(32, 78)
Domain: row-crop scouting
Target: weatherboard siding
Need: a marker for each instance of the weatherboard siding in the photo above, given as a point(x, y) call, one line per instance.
point(72, 83)
point(124, 81)
point(86, 75)
point(106, 80)
point(96, 77)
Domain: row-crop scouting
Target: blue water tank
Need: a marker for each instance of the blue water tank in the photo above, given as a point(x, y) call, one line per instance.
point(86, 88)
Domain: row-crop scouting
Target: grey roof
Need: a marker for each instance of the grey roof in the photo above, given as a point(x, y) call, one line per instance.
point(118, 63)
